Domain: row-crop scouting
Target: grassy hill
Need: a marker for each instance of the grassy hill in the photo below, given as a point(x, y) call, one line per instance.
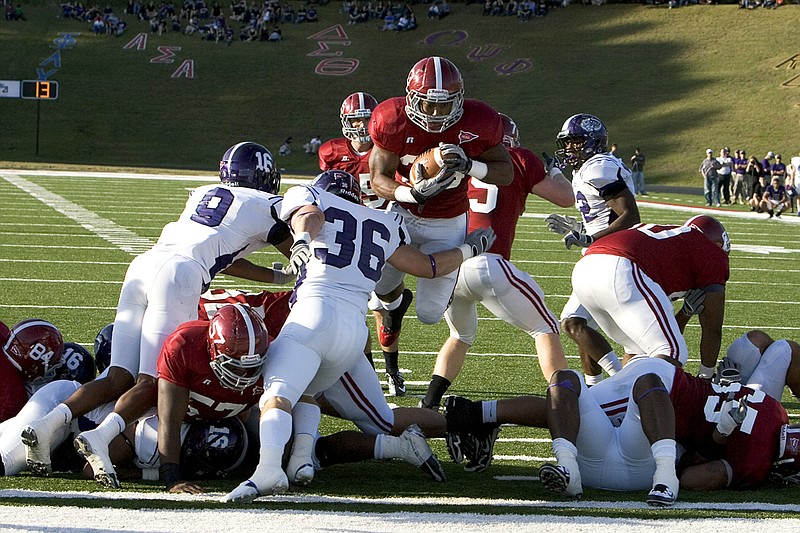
point(672, 82)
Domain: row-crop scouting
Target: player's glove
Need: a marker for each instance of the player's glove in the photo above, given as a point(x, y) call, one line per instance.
point(455, 158)
point(727, 373)
point(731, 416)
point(693, 302)
point(279, 275)
point(480, 240)
point(425, 189)
point(551, 163)
point(576, 238)
point(300, 254)
point(563, 224)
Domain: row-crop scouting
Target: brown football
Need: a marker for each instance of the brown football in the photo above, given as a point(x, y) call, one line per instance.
point(431, 163)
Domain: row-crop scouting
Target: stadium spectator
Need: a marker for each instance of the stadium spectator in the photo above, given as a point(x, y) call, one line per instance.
point(738, 193)
point(275, 36)
point(708, 169)
point(766, 164)
point(778, 168)
point(286, 147)
point(757, 194)
point(637, 171)
point(724, 175)
point(751, 174)
point(774, 200)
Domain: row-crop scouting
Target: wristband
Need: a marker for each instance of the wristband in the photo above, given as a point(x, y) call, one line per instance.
point(479, 170)
point(433, 265)
point(304, 236)
point(403, 194)
point(466, 251)
point(170, 474)
point(706, 372)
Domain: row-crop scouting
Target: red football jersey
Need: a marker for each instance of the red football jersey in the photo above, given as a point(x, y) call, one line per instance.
point(338, 154)
point(678, 258)
point(751, 449)
point(478, 130)
point(184, 361)
point(501, 206)
point(13, 394)
point(273, 307)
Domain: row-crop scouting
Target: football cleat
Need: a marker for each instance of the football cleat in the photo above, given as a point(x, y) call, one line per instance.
point(393, 320)
point(397, 385)
point(37, 449)
point(557, 478)
point(414, 449)
point(661, 496)
point(275, 482)
point(300, 470)
point(96, 454)
point(484, 449)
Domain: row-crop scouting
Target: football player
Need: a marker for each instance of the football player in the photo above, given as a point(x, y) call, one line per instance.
point(339, 250)
point(220, 225)
point(762, 363)
point(470, 133)
point(604, 196)
point(351, 153)
point(509, 293)
point(625, 284)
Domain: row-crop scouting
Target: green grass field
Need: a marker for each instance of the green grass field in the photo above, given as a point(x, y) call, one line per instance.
point(52, 266)
point(669, 81)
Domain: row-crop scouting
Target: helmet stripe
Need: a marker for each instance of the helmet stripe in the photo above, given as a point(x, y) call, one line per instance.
point(437, 62)
point(235, 148)
point(251, 333)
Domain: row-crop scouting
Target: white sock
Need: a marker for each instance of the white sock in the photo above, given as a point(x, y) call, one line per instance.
point(565, 451)
point(59, 416)
point(489, 411)
point(665, 455)
point(111, 426)
point(305, 418)
point(592, 380)
point(394, 304)
point(387, 447)
point(610, 363)
point(275, 429)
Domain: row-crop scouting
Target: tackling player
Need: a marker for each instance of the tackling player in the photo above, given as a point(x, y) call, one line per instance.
point(339, 250)
point(604, 196)
point(508, 292)
point(470, 133)
point(220, 225)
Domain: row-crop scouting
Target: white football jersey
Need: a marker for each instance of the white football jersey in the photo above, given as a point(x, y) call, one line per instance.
point(350, 250)
point(221, 223)
point(602, 175)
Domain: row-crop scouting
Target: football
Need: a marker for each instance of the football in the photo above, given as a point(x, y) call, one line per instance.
point(431, 161)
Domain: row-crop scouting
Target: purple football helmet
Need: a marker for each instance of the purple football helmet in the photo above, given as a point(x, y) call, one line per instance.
point(248, 164)
point(586, 135)
point(77, 364)
point(340, 183)
point(212, 448)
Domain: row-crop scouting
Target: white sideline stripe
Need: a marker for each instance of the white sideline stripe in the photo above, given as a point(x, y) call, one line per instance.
point(62, 262)
point(512, 439)
point(30, 280)
point(17, 306)
point(103, 228)
point(527, 458)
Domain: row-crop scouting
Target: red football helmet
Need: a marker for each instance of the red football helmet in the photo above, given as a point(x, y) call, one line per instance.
point(238, 342)
point(438, 81)
point(357, 106)
point(787, 468)
point(35, 348)
point(510, 131)
point(711, 228)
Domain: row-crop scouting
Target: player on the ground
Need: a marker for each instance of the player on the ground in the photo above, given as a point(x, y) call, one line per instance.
point(220, 225)
point(626, 285)
point(339, 251)
point(604, 196)
point(470, 133)
point(508, 292)
point(351, 153)
point(757, 360)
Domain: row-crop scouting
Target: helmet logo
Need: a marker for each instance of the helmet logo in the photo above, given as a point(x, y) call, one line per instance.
point(591, 124)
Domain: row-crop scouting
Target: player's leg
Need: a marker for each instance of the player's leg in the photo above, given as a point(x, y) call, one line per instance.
point(389, 304)
point(305, 422)
point(564, 421)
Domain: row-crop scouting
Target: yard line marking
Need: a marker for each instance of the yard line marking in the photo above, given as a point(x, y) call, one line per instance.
point(121, 237)
point(17, 306)
point(34, 280)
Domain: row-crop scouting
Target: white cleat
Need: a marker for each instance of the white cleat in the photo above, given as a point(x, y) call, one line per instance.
point(558, 479)
point(249, 490)
point(300, 472)
point(415, 450)
point(37, 440)
point(661, 496)
point(96, 454)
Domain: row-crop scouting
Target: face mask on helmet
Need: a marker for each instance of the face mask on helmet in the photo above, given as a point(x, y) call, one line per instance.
point(212, 448)
point(581, 137)
point(102, 347)
point(35, 348)
point(77, 364)
point(341, 183)
point(711, 228)
point(238, 342)
point(249, 164)
point(787, 468)
point(510, 131)
point(357, 106)
point(435, 81)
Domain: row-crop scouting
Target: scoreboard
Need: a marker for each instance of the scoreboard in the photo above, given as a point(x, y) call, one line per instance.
point(29, 89)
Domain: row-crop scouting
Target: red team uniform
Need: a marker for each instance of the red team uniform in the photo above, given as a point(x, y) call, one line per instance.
point(500, 209)
point(273, 307)
point(751, 449)
point(478, 130)
point(338, 154)
point(184, 361)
